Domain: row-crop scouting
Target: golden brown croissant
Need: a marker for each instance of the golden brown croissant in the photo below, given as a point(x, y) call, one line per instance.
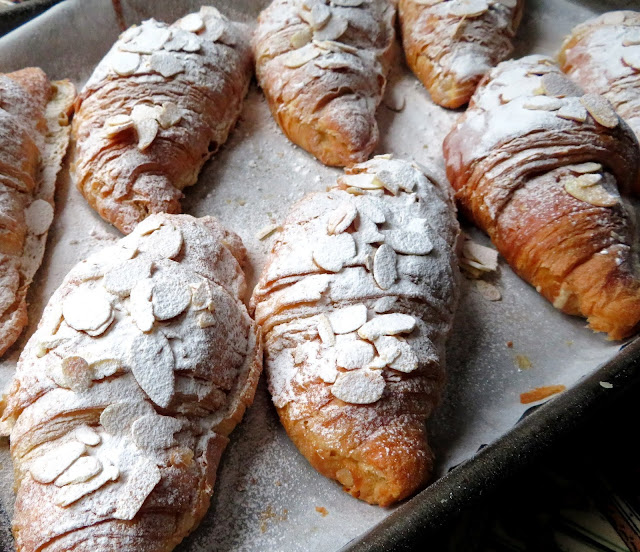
point(603, 56)
point(34, 134)
point(144, 361)
point(355, 303)
point(323, 68)
point(159, 104)
point(538, 165)
point(450, 45)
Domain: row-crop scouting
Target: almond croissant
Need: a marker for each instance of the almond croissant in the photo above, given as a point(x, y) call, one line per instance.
point(355, 304)
point(450, 45)
point(158, 105)
point(323, 68)
point(34, 134)
point(144, 361)
point(538, 165)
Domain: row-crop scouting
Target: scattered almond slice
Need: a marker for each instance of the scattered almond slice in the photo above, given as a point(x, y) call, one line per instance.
point(585, 168)
point(468, 8)
point(117, 418)
point(152, 365)
point(408, 242)
point(385, 272)
point(631, 37)
point(387, 324)
point(332, 252)
point(364, 181)
point(301, 56)
point(205, 320)
point(559, 86)
point(388, 348)
point(166, 63)
point(384, 304)
point(319, 16)
point(154, 432)
point(125, 63)
point(631, 57)
point(484, 258)
point(367, 231)
point(334, 46)
point(600, 109)
point(488, 290)
point(117, 124)
point(266, 231)
point(170, 115)
point(307, 290)
point(142, 479)
point(149, 40)
point(76, 374)
point(542, 103)
point(407, 361)
point(348, 319)
point(325, 331)
point(594, 194)
point(359, 386)
point(86, 309)
point(191, 23)
point(394, 99)
point(201, 297)
point(354, 354)
point(613, 18)
point(50, 465)
point(341, 218)
point(301, 38)
point(86, 435)
point(83, 469)
point(573, 112)
point(332, 30)
point(122, 277)
point(140, 306)
point(147, 130)
point(348, 3)
point(38, 216)
point(370, 208)
point(72, 493)
point(164, 242)
point(169, 297)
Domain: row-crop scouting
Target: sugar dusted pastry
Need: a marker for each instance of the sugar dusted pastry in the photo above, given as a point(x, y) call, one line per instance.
point(323, 67)
point(158, 105)
point(451, 44)
point(144, 361)
point(34, 134)
point(603, 56)
point(539, 166)
point(355, 304)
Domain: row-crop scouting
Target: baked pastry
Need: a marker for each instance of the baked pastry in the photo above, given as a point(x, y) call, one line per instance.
point(355, 303)
point(450, 45)
point(323, 68)
point(538, 166)
point(603, 56)
point(158, 105)
point(34, 134)
point(144, 361)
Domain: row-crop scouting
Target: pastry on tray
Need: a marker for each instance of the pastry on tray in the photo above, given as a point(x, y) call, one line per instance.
point(158, 105)
point(355, 302)
point(603, 56)
point(144, 361)
point(323, 67)
point(34, 134)
point(539, 166)
point(450, 45)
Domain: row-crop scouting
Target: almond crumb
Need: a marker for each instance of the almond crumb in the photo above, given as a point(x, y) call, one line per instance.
point(540, 393)
point(322, 511)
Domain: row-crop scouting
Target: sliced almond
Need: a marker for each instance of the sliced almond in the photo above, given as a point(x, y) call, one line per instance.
point(573, 112)
point(485, 257)
point(585, 168)
point(542, 103)
point(631, 37)
point(600, 109)
point(387, 324)
point(631, 57)
point(165, 242)
point(50, 465)
point(412, 241)
point(170, 115)
point(348, 3)
point(142, 478)
point(300, 38)
point(354, 354)
point(83, 469)
point(201, 296)
point(72, 493)
point(331, 253)
point(152, 365)
point(592, 194)
point(205, 319)
point(147, 130)
point(86, 435)
point(384, 304)
point(341, 218)
point(559, 86)
point(117, 418)
point(372, 208)
point(348, 319)
point(117, 124)
point(191, 23)
point(332, 30)
point(388, 348)
point(86, 309)
point(613, 18)
point(385, 272)
point(468, 8)
point(407, 360)
point(267, 231)
point(77, 375)
point(150, 39)
point(307, 290)
point(169, 297)
point(154, 432)
point(359, 386)
point(166, 63)
point(124, 63)
point(38, 216)
point(325, 331)
point(319, 16)
point(140, 306)
point(488, 290)
point(122, 277)
point(301, 56)
point(364, 181)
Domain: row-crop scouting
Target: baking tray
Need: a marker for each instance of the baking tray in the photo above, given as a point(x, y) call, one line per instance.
point(267, 497)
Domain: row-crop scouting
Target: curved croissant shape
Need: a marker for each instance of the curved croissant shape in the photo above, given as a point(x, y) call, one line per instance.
point(34, 134)
point(355, 303)
point(144, 361)
point(323, 68)
point(158, 105)
point(538, 165)
point(451, 44)
point(603, 56)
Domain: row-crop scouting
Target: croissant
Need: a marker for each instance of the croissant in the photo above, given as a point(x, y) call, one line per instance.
point(538, 166)
point(603, 56)
point(323, 69)
point(144, 361)
point(451, 45)
point(34, 134)
point(355, 303)
point(158, 105)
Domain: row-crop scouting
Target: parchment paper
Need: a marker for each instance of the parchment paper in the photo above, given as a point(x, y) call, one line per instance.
point(266, 495)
